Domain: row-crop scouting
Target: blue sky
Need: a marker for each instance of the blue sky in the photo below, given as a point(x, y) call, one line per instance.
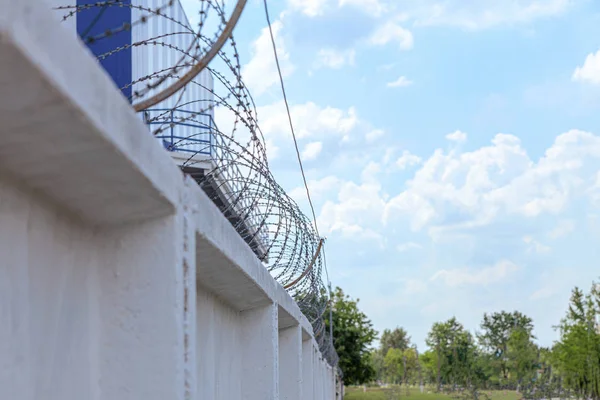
point(452, 148)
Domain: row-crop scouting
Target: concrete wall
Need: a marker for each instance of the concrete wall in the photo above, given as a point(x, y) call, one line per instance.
point(119, 278)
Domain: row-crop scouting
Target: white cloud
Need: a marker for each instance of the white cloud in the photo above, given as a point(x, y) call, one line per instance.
point(535, 246)
point(392, 32)
point(453, 192)
point(484, 276)
point(475, 188)
point(389, 153)
point(400, 82)
point(374, 8)
point(272, 149)
point(457, 136)
point(374, 134)
point(316, 8)
point(311, 8)
point(483, 14)
point(317, 187)
point(404, 247)
point(261, 71)
point(469, 15)
point(312, 150)
point(370, 172)
point(407, 160)
point(589, 72)
point(309, 120)
point(563, 228)
point(357, 206)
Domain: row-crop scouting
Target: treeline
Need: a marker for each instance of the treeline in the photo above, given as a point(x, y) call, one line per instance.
point(502, 354)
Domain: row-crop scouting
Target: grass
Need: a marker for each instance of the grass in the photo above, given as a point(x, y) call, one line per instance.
point(394, 393)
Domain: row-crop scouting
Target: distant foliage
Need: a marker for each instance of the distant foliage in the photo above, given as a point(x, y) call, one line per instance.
point(353, 334)
point(396, 339)
point(503, 355)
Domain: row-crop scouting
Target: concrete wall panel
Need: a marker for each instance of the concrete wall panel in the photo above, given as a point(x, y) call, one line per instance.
point(290, 363)
point(48, 343)
point(260, 364)
point(140, 300)
point(219, 340)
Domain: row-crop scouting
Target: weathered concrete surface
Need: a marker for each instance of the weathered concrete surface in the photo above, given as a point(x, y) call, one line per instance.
point(308, 353)
point(260, 361)
point(220, 340)
point(86, 312)
point(290, 363)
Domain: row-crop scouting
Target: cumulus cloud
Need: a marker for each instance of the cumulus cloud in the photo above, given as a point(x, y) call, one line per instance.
point(400, 82)
point(317, 187)
point(454, 190)
point(312, 151)
point(316, 8)
point(310, 8)
point(468, 15)
point(372, 7)
point(474, 188)
point(484, 276)
point(407, 160)
point(589, 72)
point(483, 14)
point(391, 32)
point(309, 120)
point(260, 74)
point(356, 205)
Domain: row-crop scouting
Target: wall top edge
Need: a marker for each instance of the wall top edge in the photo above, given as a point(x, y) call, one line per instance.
point(68, 132)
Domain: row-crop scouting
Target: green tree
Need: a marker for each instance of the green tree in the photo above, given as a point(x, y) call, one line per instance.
point(429, 362)
point(577, 354)
point(522, 356)
point(401, 366)
point(377, 362)
point(393, 365)
point(410, 365)
point(394, 339)
point(456, 353)
point(496, 330)
point(353, 333)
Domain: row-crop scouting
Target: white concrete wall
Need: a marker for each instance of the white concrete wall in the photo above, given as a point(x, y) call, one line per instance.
point(218, 349)
point(119, 278)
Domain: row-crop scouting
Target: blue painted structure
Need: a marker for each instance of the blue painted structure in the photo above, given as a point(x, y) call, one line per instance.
point(92, 25)
point(183, 124)
point(199, 141)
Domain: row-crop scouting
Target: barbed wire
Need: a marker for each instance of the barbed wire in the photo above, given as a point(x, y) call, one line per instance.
point(210, 128)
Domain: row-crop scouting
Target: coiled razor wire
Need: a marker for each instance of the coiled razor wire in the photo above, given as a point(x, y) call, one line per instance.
point(231, 164)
